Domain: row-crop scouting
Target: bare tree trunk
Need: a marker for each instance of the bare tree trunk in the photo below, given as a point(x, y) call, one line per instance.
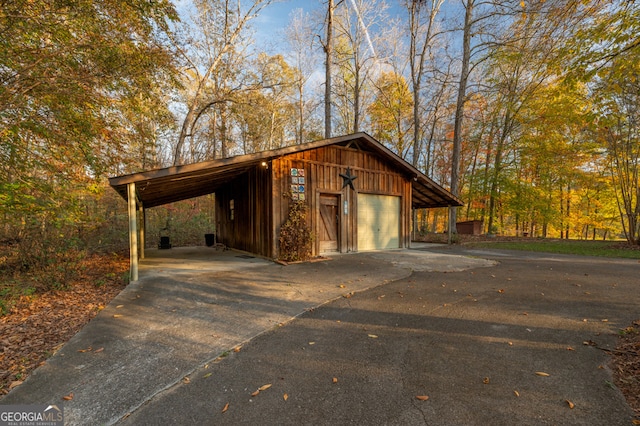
point(327, 86)
point(457, 125)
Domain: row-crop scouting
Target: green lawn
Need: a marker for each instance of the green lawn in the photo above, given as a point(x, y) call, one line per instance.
point(580, 247)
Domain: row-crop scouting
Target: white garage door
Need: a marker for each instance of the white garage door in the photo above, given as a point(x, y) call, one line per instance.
point(378, 222)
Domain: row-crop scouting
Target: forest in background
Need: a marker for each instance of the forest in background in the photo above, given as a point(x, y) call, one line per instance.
point(527, 110)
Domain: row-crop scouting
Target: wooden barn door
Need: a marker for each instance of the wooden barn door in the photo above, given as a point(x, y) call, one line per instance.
point(329, 223)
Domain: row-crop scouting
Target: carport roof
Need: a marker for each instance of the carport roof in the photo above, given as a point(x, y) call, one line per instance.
point(170, 184)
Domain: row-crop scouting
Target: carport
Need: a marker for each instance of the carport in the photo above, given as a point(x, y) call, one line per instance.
point(345, 182)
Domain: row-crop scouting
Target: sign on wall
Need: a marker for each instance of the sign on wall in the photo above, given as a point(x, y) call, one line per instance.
point(298, 184)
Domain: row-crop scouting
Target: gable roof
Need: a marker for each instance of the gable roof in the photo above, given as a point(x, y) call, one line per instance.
point(170, 184)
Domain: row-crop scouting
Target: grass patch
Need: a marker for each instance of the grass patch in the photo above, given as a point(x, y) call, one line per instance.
point(578, 247)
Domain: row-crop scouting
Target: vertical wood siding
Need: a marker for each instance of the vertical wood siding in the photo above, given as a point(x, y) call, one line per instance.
point(250, 228)
point(323, 167)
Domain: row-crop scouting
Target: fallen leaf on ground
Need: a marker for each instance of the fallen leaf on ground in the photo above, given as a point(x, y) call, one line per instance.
point(255, 393)
point(68, 397)
point(335, 380)
point(570, 404)
point(226, 407)
point(264, 387)
point(186, 380)
point(15, 384)
point(542, 373)
point(97, 351)
point(569, 348)
point(237, 348)
point(85, 350)
point(206, 375)
point(516, 393)
point(422, 397)
point(285, 396)
point(373, 336)
point(485, 380)
point(117, 316)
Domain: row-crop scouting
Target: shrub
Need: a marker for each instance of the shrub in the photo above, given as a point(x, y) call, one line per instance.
point(295, 236)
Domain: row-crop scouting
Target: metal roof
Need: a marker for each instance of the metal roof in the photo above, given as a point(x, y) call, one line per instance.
point(170, 184)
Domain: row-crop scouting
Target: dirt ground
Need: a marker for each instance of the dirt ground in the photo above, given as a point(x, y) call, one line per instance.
point(37, 326)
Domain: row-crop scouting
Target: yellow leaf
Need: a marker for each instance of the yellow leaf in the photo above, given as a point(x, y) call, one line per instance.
point(285, 396)
point(206, 375)
point(117, 316)
point(264, 387)
point(119, 306)
point(542, 373)
point(571, 404)
point(237, 348)
point(373, 336)
point(516, 393)
point(226, 407)
point(522, 4)
point(422, 397)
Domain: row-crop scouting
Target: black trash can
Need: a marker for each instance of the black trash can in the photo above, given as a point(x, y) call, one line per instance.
point(210, 239)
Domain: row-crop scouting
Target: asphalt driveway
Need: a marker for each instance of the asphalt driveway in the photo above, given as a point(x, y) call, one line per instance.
point(472, 335)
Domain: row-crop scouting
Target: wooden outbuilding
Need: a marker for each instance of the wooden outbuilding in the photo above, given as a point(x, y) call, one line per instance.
point(360, 195)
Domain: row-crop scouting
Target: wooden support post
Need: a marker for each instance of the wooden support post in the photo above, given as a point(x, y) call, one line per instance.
point(133, 232)
point(143, 226)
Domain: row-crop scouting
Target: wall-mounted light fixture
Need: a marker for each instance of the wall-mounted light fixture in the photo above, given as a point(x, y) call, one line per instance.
point(265, 164)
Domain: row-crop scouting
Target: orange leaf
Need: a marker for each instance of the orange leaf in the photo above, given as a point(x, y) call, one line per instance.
point(422, 397)
point(335, 380)
point(485, 380)
point(68, 397)
point(226, 407)
point(285, 396)
point(542, 373)
point(571, 404)
point(97, 351)
point(255, 393)
point(264, 387)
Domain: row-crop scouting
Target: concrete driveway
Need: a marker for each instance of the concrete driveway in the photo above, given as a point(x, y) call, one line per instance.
point(470, 330)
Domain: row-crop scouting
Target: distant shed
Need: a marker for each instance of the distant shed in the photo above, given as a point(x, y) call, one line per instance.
point(470, 227)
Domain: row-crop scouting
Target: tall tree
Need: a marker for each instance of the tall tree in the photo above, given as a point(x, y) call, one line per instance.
point(391, 112)
point(356, 56)
point(422, 36)
point(304, 59)
point(221, 25)
point(74, 77)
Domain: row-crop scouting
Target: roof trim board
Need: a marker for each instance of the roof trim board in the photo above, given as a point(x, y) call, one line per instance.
point(158, 187)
